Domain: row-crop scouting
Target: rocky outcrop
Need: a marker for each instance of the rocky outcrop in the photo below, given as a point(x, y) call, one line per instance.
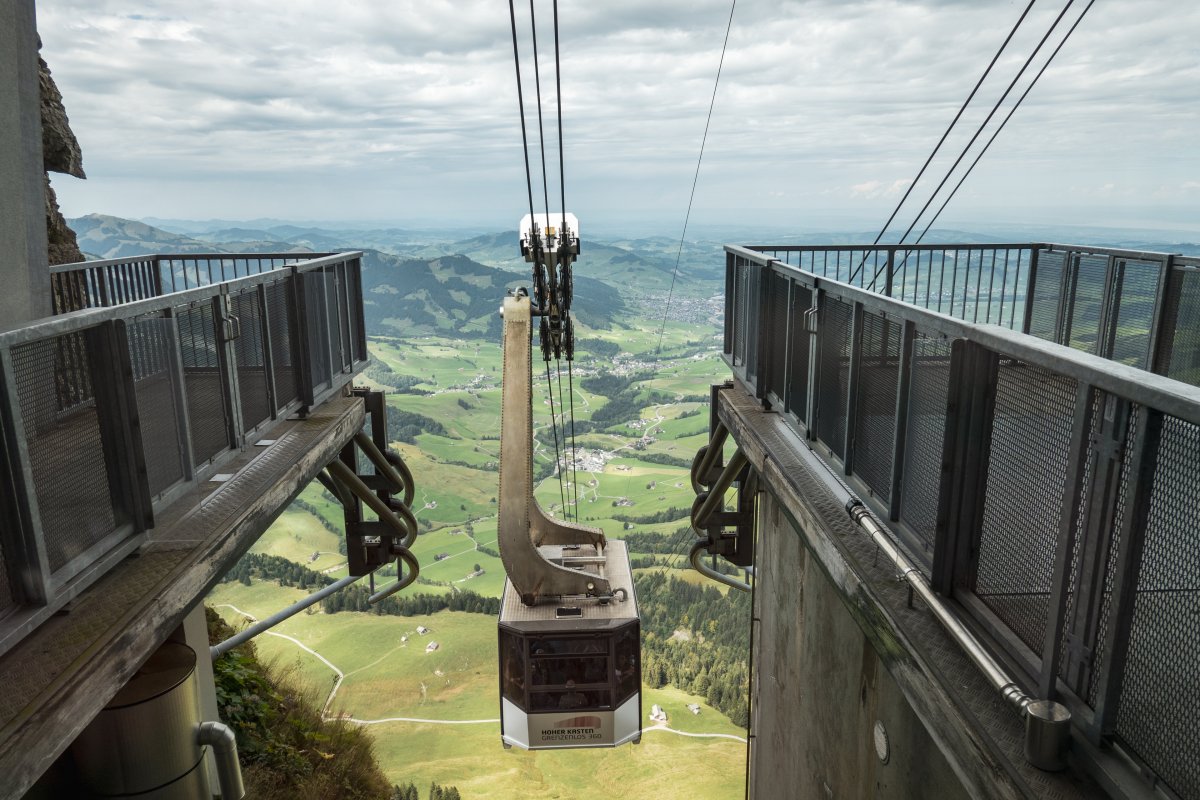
point(60, 153)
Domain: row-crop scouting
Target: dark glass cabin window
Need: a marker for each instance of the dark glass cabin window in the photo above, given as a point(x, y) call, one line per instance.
point(570, 673)
point(512, 668)
point(627, 649)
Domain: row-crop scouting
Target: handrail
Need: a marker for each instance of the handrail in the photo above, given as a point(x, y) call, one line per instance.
point(1141, 386)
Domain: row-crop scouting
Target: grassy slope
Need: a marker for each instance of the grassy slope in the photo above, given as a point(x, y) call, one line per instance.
point(386, 677)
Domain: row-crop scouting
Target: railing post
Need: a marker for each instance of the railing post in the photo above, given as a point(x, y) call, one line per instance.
point(856, 326)
point(116, 409)
point(1166, 316)
point(891, 270)
point(730, 315)
point(228, 328)
point(908, 334)
point(1030, 287)
point(264, 325)
point(1068, 528)
point(966, 451)
point(1128, 564)
point(21, 535)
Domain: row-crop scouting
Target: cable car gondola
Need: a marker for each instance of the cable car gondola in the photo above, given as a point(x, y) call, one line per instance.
point(569, 636)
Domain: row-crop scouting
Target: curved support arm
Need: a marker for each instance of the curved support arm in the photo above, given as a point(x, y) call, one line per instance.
point(709, 572)
point(414, 569)
point(224, 744)
point(410, 485)
point(707, 455)
point(387, 467)
point(333, 487)
point(401, 518)
point(521, 524)
point(715, 499)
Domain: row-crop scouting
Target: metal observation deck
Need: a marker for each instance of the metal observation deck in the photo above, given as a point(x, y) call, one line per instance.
point(172, 407)
point(1025, 419)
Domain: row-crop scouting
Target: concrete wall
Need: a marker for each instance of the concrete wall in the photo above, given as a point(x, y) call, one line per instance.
point(23, 246)
point(819, 690)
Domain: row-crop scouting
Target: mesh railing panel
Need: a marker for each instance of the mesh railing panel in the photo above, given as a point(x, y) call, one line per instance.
point(1087, 303)
point(151, 342)
point(279, 330)
point(799, 354)
point(317, 329)
point(1047, 295)
point(1030, 442)
point(739, 313)
point(1134, 300)
point(1159, 715)
point(208, 417)
point(833, 382)
point(778, 325)
point(1111, 560)
point(875, 406)
point(928, 393)
point(66, 452)
point(354, 285)
point(1082, 520)
point(251, 360)
point(338, 290)
point(1184, 363)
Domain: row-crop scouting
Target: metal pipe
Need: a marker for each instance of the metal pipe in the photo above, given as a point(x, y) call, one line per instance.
point(995, 674)
point(218, 650)
point(711, 452)
point(414, 569)
point(1047, 722)
point(385, 467)
point(715, 499)
point(698, 549)
point(224, 744)
point(407, 528)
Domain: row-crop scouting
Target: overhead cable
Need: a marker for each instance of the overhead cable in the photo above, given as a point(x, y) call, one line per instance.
point(1005, 121)
point(942, 140)
point(695, 179)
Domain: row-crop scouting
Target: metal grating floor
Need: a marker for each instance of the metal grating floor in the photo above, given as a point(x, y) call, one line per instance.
point(980, 710)
point(59, 676)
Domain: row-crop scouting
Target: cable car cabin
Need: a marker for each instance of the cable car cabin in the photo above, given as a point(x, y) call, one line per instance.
point(570, 671)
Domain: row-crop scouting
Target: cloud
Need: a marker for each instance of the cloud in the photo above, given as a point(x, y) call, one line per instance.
point(390, 110)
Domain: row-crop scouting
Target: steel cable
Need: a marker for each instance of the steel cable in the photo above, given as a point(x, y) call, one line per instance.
point(942, 140)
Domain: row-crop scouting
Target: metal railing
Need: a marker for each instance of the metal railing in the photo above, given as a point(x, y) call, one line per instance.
point(1054, 493)
point(1139, 308)
point(108, 413)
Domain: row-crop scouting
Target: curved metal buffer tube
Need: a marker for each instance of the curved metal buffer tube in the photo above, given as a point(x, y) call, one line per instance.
point(526, 534)
point(709, 518)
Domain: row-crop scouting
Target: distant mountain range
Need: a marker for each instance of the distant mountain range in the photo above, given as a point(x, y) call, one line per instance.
point(403, 295)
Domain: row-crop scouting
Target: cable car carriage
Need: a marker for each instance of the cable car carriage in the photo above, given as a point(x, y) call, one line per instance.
point(569, 636)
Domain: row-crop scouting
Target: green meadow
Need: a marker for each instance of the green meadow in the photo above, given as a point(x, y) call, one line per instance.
point(390, 671)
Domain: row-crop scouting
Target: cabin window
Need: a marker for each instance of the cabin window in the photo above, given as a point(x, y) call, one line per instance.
point(626, 663)
point(512, 669)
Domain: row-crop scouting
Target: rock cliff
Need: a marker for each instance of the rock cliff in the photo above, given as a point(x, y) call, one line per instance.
point(60, 153)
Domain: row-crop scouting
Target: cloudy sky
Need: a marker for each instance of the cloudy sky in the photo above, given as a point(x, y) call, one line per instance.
point(405, 112)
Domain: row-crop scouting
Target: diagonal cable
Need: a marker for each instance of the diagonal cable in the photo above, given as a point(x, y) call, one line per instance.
point(1004, 122)
point(942, 140)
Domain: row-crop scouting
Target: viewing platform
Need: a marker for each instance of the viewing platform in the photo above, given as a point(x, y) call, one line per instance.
point(152, 430)
point(1024, 422)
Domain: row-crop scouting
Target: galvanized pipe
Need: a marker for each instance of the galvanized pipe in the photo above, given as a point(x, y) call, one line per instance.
point(414, 569)
point(711, 452)
point(403, 483)
point(698, 550)
point(347, 478)
point(220, 649)
point(1047, 722)
point(995, 674)
point(715, 501)
point(220, 738)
